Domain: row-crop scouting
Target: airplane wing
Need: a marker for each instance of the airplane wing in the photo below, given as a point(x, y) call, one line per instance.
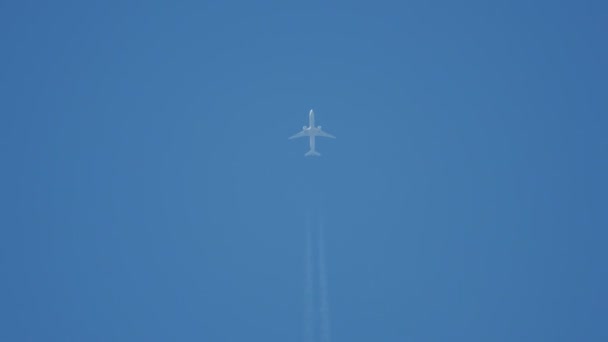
point(325, 134)
point(299, 135)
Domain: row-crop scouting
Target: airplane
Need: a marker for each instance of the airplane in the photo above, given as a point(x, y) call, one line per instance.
point(311, 131)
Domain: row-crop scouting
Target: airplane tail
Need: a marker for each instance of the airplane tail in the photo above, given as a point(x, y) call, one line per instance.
point(312, 153)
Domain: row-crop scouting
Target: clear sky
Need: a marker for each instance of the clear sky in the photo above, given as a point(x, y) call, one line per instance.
point(148, 191)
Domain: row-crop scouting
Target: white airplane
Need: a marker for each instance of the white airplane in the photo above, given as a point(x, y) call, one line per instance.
point(311, 131)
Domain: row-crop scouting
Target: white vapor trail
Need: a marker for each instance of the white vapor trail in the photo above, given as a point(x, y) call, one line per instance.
point(308, 287)
point(324, 296)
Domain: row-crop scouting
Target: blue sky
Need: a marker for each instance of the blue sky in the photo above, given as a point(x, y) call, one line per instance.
point(149, 192)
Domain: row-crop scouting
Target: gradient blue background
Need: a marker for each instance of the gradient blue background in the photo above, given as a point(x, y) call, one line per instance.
point(148, 191)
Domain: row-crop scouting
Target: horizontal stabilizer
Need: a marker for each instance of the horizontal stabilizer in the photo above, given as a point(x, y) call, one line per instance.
point(312, 153)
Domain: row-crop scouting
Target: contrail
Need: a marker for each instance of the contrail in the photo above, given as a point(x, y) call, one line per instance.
point(324, 309)
point(308, 287)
